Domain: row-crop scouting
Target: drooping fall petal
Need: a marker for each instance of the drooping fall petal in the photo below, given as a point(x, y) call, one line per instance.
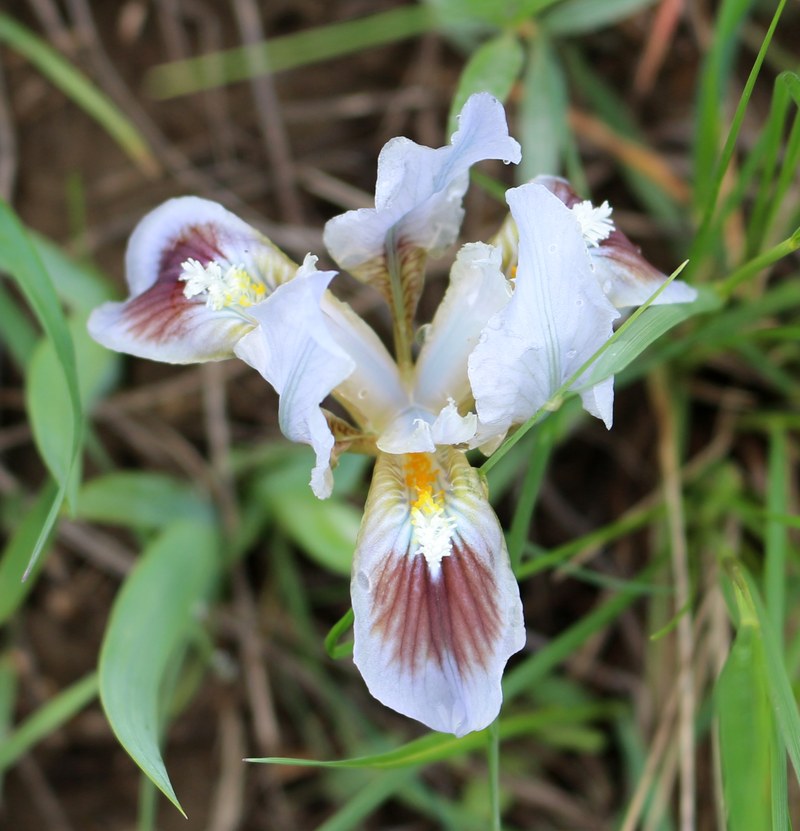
point(556, 320)
point(418, 203)
point(293, 349)
point(437, 608)
point(194, 270)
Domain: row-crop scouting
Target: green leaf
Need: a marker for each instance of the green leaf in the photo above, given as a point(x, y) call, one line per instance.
point(45, 387)
point(287, 52)
point(18, 259)
point(492, 68)
point(746, 733)
point(17, 333)
point(80, 287)
point(80, 89)
point(577, 17)
point(150, 623)
point(629, 342)
point(139, 499)
point(543, 112)
point(325, 529)
point(47, 719)
point(13, 589)
point(335, 649)
point(436, 747)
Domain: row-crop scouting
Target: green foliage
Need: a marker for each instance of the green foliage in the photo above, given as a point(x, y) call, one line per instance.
point(151, 624)
point(77, 87)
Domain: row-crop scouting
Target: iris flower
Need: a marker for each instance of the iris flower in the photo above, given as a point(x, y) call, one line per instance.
point(437, 608)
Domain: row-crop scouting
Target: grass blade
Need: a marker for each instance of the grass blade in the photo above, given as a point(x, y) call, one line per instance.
point(80, 89)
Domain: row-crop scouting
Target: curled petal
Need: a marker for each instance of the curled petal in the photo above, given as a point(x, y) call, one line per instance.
point(625, 276)
point(293, 349)
point(556, 320)
point(415, 430)
point(160, 321)
point(477, 290)
point(418, 199)
point(437, 609)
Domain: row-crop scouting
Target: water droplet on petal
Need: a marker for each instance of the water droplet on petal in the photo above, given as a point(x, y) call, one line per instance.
point(572, 353)
point(362, 394)
point(579, 302)
point(553, 248)
point(363, 580)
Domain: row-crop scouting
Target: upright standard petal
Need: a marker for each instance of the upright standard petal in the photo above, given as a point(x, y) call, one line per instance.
point(418, 206)
point(477, 291)
point(194, 270)
point(437, 608)
point(293, 349)
point(557, 318)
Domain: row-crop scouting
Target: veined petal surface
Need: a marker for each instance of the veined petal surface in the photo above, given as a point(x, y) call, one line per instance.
point(476, 292)
point(293, 349)
point(418, 199)
point(160, 321)
point(437, 608)
point(557, 318)
point(625, 276)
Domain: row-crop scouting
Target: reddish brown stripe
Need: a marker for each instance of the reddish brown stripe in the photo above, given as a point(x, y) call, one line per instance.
point(159, 314)
point(430, 618)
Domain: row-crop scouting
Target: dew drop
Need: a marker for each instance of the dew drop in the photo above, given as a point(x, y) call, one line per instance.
point(552, 248)
point(363, 581)
point(579, 302)
point(362, 394)
point(572, 353)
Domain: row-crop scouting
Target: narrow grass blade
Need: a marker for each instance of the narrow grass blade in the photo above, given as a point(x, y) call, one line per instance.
point(48, 718)
point(8, 698)
point(746, 732)
point(150, 622)
point(781, 695)
point(287, 52)
point(13, 589)
point(436, 747)
point(335, 649)
point(80, 89)
point(524, 675)
point(494, 68)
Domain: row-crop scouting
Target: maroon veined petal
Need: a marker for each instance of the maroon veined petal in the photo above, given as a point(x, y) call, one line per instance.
point(437, 609)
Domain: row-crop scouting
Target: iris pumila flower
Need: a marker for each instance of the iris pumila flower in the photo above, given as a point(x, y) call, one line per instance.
point(437, 608)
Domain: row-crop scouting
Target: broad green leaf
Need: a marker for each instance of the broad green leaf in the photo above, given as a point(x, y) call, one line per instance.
point(325, 529)
point(13, 589)
point(139, 499)
point(281, 53)
point(494, 68)
point(150, 622)
point(543, 114)
point(17, 333)
point(45, 389)
point(647, 328)
point(80, 89)
point(746, 733)
point(435, 747)
point(80, 287)
point(577, 17)
point(18, 259)
point(48, 718)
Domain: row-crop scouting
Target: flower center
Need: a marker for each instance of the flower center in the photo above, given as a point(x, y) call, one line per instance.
point(232, 287)
point(432, 528)
point(596, 223)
